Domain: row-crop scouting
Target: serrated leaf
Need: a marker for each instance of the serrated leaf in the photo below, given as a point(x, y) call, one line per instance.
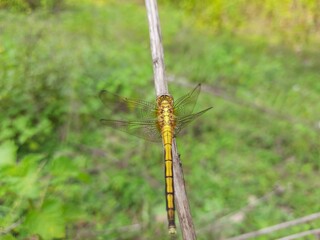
point(48, 222)
point(63, 166)
point(23, 178)
point(8, 237)
point(7, 153)
point(28, 186)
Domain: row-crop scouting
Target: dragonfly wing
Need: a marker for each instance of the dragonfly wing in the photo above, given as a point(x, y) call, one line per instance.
point(185, 105)
point(182, 122)
point(143, 129)
point(141, 109)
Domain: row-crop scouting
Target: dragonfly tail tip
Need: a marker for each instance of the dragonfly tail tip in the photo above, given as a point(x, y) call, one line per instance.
point(172, 230)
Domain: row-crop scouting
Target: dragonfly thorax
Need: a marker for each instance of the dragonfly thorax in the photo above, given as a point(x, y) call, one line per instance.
point(164, 99)
point(165, 112)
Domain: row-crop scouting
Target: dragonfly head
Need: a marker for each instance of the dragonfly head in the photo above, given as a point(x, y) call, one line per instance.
point(164, 99)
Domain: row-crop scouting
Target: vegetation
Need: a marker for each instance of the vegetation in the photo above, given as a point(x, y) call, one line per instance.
point(251, 162)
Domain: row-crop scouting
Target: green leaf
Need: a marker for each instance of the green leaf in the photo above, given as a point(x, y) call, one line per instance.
point(8, 237)
point(7, 153)
point(23, 178)
point(63, 166)
point(48, 222)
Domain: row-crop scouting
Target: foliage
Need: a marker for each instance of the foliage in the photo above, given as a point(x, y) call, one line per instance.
point(62, 175)
point(288, 22)
point(30, 5)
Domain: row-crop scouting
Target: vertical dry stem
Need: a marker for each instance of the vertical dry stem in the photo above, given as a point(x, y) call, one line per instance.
point(181, 200)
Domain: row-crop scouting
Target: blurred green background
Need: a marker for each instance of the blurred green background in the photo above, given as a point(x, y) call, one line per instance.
point(251, 162)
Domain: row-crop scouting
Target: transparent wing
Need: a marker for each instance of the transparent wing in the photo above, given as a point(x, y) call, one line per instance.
point(143, 129)
point(141, 109)
point(182, 122)
point(185, 105)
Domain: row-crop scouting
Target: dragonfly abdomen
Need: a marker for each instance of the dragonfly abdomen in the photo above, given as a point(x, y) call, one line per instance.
point(166, 124)
point(169, 186)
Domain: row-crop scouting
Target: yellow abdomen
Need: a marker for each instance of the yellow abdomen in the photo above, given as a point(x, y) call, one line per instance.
point(166, 126)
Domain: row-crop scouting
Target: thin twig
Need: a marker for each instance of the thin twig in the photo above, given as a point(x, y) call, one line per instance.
point(10, 228)
point(277, 227)
point(301, 234)
point(160, 81)
point(244, 210)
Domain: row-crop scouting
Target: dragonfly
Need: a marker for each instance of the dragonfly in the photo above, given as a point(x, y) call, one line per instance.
point(156, 122)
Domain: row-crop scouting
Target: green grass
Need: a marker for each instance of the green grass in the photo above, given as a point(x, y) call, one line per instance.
point(63, 175)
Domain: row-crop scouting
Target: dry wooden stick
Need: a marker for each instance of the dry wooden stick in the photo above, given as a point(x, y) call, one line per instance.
point(277, 227)
point(181, 200)
point(301, 234)
point(160, 82)
point(8, 229)
point(249, 207)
